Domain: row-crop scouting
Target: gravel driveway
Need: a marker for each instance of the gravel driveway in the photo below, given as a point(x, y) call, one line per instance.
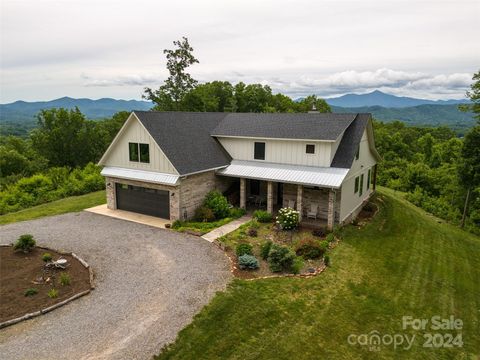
point(149, 284)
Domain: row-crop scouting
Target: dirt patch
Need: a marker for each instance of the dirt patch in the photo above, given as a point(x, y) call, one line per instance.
point(18, 271)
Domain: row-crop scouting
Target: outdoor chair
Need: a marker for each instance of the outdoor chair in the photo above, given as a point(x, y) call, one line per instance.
point(313, 212)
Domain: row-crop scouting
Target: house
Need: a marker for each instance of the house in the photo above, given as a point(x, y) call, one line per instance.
point(164, 163)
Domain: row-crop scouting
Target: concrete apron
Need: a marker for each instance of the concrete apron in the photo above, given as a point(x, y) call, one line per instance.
point(130, 216)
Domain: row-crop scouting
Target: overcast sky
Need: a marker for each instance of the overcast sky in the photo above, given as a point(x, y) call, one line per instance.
point(103, 48)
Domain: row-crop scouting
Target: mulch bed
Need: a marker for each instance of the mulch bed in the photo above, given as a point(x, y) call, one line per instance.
point(18, 271)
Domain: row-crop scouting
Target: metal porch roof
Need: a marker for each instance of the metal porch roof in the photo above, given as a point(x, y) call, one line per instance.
point(141, 175)
point(295, 174)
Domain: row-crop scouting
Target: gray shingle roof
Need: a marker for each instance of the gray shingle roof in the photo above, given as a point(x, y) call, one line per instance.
point(284, 126)
point(349, 144)
point(185, 138)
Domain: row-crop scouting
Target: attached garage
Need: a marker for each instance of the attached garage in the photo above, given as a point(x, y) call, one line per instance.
point(153, 202)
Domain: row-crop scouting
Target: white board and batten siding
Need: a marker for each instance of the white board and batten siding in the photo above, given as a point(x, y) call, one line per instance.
point(350, 201)
point(118, 154)
point(280, 151)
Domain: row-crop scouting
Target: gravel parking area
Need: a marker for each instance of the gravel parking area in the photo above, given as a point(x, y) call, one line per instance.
point(149, 284)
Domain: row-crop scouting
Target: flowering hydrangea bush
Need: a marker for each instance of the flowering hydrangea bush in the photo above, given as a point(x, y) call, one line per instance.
point(288, 218)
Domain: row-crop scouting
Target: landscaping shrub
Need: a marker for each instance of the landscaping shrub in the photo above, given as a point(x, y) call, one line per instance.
point(262, 216)
point(244, 249)
point(177, 224)
point(204, 214)
point(47, 257)
point(326, 260)
point(64, 279)
point(30, 292)
point(254, 224)
point(330, 238)
point(252, 232)
point(280, 258)
point(309, 249)
point(25, 243)
point(265, 249)
point(237, 212)
point(287, 218)
point(218, 203)
point(324, 245)
point(319, 232)
point(247, 262)
point(297, 265)
point(52, 293)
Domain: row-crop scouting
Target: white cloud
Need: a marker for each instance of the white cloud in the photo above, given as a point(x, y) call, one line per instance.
point(423, 47)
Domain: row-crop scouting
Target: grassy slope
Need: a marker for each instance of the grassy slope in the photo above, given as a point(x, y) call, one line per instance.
point(70, 204)
point(403, 263)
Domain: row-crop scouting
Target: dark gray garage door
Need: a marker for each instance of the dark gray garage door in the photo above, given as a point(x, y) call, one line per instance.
point(143, 200)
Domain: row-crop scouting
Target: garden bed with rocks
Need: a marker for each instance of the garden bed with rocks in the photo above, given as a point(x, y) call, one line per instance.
point(262, 248)
point(28, 287)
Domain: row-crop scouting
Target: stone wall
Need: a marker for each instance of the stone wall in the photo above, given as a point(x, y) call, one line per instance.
point(193, 189)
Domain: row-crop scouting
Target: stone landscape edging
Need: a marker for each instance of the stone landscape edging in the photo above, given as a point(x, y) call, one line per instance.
point(61, 303)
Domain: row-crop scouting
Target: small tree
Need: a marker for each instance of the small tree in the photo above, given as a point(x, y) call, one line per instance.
point(179, 83)
point(469, 169)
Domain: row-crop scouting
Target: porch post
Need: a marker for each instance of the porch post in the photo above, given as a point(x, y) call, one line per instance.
point(331, 211)
point(299, 201)
point(270, 197)
point(243, 193)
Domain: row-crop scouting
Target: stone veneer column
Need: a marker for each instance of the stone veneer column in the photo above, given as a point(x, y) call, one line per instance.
point(243, 193)
point(270, 197)
point(299, 201)
point(110, 190)
point(331, 211)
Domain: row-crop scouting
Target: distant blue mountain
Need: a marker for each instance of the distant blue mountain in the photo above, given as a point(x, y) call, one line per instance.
point(378, 98)
point(22, 111)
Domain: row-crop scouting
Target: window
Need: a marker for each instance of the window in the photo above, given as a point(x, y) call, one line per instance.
point(368, 178)
point(361, 185)
point(357, 155)
point(356, 184)
point(310, 149)
point(139, 152)
point(259, 151)
point(133, 151)
point(144, 153)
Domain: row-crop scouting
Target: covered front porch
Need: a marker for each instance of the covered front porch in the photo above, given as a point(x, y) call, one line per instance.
point(316, 206)
point(314, 192)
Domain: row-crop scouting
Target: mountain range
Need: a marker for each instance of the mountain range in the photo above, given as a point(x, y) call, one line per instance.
point(378, 98)
point(19, 117)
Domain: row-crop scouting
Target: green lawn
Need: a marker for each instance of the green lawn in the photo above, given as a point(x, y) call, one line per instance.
point(70, 204)
point(404, 263)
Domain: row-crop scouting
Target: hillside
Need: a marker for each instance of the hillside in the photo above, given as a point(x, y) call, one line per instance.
point(378, 98)
point(421, 115)
point(404, 263)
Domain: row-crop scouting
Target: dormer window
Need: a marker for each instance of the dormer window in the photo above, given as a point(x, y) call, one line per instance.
point(139, 152)
point(310, 149)
point(259, 151)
